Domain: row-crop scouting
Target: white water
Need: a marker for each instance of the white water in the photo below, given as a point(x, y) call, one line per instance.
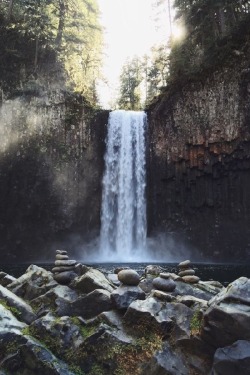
point(123, 217)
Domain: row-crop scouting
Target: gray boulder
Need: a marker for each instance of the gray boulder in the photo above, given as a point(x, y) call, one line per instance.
point(33, 283)
point(8, 322)
point(238, 292)
point(87, 306)
point(234, 359)
point(21, 309)
point(91, 280)
point(124, 295)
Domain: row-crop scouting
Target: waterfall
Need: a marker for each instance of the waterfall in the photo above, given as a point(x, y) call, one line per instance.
point(123, 217)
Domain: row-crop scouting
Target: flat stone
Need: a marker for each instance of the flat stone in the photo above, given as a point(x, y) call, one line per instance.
point(191, 279)
point(129, 277)
point(187, 272)
point(62, 269)
point(165, 275)
point(62, 252)
point(166, 285)
point(65, 263)
point(185, 264)
point(61, 257)
point(163, 296)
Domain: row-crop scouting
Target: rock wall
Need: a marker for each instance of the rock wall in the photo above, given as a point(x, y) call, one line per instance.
point(199, 164)
point(51, 165)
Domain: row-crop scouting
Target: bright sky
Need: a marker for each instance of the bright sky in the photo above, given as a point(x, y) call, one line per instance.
point(129, 29)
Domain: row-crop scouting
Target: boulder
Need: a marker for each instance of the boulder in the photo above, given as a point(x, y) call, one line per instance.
point(113, 278)
point(129, 277)
point(238, 292)
point(183, 289)
point(6, 279)
point(8, 322)
point(33, 283)
point(21, 309)
point(124, 295)
point(234, 359)
point(91, 280)
point(166, 362)
point(87, 306)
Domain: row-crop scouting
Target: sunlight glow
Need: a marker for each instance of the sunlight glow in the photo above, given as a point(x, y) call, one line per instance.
point(129, 30)
point(178, 32)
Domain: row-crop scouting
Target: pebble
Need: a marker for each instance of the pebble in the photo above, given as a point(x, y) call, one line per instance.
point(184, 264)
point(61, 257)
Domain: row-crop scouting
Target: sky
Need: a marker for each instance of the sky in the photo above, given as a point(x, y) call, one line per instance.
point(129, 30)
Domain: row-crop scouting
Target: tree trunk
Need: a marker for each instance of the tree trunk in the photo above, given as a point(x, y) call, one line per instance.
point(62, 12)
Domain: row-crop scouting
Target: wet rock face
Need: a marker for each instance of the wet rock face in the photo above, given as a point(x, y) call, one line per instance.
point(199, 164)
point(51, 166)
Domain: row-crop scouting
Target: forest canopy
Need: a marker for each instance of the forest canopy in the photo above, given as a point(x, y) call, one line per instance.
point(60, 39)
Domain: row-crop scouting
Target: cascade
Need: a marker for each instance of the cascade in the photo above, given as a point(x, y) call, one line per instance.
point(123, 216)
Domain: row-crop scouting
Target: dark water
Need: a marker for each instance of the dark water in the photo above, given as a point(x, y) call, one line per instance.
point(225, 273)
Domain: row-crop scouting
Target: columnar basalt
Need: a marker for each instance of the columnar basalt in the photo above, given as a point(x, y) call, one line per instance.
point(199, 163)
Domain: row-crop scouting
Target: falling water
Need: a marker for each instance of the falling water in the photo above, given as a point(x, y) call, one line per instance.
point(123, 219)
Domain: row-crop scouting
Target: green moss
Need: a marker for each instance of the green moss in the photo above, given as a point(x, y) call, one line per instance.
point(196, 322)
point(12, 309)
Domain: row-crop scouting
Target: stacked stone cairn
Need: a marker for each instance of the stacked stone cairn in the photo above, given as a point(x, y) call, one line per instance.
point(128, 290)
point(65, 269)
point(164, 285)
point(187, 273)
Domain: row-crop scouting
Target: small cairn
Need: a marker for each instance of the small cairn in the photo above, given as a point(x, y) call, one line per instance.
point(187, 273)
point(65, 269)
point(164, 283)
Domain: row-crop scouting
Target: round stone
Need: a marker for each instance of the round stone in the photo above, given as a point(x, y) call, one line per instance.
point(118, 269)
point(166, 285)
point(191, 279)
point(64, 278)
point(187, 272)
point(128, 277)
point(185, 264)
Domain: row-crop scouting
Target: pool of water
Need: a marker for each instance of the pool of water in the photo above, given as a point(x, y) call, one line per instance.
point(225, 273)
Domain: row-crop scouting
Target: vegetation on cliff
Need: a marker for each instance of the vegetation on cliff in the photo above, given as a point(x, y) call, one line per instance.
point(57, 42)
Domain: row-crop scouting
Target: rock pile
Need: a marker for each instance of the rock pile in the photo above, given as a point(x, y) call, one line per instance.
point(187, 273)
point(65, 268)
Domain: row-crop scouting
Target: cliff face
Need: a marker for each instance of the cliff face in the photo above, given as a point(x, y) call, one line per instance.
point(51, 166)
point(199, 164)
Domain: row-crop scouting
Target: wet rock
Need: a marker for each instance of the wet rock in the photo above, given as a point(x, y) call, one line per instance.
point(91, 280)
point(234, 359)
point(87, 306)
point(183, 288)
point(6, 279)
point(124, 295)
point(129, 277)
point(8, 321)
point(225, 323)
point(21, 308)
point(61, 257)
point(164, 284)
point(238, 291)
point(166, 362)
point(193, 302)
point(33, 283)
point(113, 278)
point(146, 284)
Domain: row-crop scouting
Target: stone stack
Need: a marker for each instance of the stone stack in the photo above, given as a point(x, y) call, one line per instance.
point(128, 291)
point(164, 283)
point(65, 268)
point(187, 273)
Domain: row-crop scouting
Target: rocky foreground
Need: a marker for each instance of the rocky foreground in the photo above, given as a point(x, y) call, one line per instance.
point(76, 320)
